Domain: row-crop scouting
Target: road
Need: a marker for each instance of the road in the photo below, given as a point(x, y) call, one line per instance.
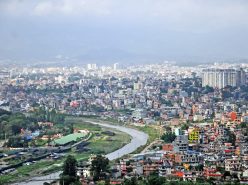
point(138, 139)
point(150, 145)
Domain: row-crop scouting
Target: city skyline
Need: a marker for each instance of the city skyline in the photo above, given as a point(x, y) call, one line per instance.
point(162, 121)
point(134, 92)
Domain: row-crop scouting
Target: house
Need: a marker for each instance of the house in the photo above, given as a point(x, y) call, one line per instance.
point(211, 172)
point(138, 169)
point(45, 124)
point(150, 168)
point(188, 157)
point(233, 164)
point(180, 144)
point(165, 169)
point(167, 147)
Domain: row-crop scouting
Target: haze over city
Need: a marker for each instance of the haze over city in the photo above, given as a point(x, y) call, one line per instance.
point(108, 31)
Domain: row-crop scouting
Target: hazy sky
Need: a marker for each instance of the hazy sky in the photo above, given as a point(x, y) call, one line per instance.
point(124, 29)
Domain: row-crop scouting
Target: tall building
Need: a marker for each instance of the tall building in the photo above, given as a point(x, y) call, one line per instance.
point(220, 78)
point(91, 66)
point(116, 66)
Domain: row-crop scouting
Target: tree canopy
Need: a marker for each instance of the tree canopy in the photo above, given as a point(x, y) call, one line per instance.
point(168, 137)
point(99, 167)
point(69, 174)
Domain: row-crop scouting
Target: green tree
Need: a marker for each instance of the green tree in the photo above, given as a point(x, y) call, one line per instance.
point(4, 112)
point(49, 140)
point(208, 89)
point(168, 137)
point(70, 166)
point(69, 174)
point(15, 141)
point(132, 181)
point(99, 167)
point(232, 137)
point(154, 179)
point(16, 129)
point(184, 127)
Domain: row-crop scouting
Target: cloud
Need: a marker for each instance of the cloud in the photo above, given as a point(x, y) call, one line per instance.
point(54, 7)
point(72, 8)
point(174, 13)
point(172, 26)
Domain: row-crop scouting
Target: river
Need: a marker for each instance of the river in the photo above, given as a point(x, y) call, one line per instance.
point(138, 139)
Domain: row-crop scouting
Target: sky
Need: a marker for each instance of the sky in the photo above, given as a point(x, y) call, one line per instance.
point(124, 30)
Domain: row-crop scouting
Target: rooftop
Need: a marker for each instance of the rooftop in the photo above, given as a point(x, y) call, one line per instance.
point(69, 138)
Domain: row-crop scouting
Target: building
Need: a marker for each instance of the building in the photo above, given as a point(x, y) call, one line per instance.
point(181, 143)
point(233, 164)
point(188, 157)
point(115, 67)
point(211, 172)
point(91, 66)
point(150, 168)
point(178, 131)
point(4, 74)
point(137, 86)
point(220, 78)
point(139, 113)
point(194, 135)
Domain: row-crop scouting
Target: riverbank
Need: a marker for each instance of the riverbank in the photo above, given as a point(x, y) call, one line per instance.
point(138, 139)
point(154, 132)
point(98, 143)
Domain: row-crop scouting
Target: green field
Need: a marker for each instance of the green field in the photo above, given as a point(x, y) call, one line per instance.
point(99, 143)
point(81, 123)
point(153, 134)
point(108, 144)
point(151, 131)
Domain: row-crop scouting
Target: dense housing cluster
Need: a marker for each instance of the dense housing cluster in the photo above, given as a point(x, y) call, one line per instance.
point(200, 113)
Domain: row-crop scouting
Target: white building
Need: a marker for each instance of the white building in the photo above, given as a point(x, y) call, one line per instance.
point(91, 66)
point(220, 78)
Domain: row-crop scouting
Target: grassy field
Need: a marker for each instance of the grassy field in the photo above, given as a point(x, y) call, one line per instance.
point(151, 131)
point(80, 123)
point(109, 144)
point(99, 143)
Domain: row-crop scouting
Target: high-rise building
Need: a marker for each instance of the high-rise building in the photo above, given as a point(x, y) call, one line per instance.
point(91, 66)
point(220, 78)
point(116, 66)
